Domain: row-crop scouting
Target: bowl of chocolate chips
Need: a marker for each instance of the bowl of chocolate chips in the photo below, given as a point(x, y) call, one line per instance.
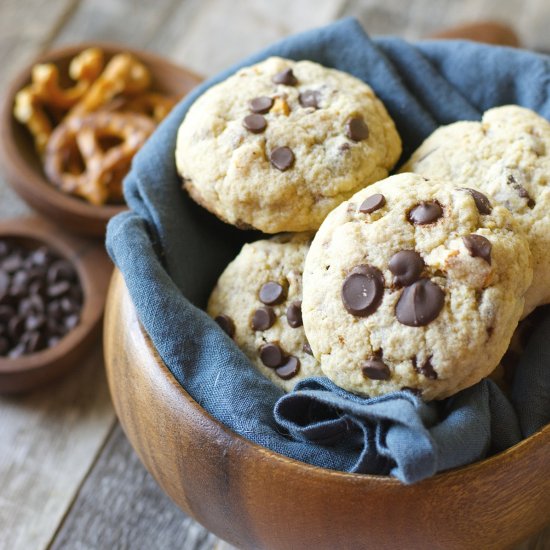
point(51, 286)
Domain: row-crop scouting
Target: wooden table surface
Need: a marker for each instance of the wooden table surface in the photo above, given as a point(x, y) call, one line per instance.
point(68, 477)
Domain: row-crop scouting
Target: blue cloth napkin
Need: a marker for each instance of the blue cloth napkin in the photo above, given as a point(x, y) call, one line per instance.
point(170, 252)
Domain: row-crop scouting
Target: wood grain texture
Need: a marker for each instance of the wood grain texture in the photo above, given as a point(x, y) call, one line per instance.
point(252, 498)
point(49, 440)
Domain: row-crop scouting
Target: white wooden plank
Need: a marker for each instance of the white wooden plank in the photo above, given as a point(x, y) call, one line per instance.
point(49, 440)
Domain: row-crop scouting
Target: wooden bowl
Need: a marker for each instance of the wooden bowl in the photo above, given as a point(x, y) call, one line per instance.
point(22, 165)
point(255, 498)
point(94, 270)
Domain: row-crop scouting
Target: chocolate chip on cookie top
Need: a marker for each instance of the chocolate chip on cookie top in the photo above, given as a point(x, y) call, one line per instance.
point(406, 266)
point(294, 314)
point(425, 213)
point(357, 129)
point(362, 290)
point(285, 77)
point(271, 355)
point(289, 369)
point(263, 318)
point(483, 204)
point(226, 324)
point(426, 369)
point(272, 293)
point(420, 303)
point(478, 246)
point(309, 98)
point(260, 105)
point(282, 158)
point(255, 123)
point(372, 203)
point(375, 369)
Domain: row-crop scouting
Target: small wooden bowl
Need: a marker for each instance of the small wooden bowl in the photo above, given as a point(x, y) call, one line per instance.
point(22, 165)
point(94, 270)
point(255, 498)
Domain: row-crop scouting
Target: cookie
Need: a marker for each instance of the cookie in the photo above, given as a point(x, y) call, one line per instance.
point(414, 284)
point(279, 144)
point(507, 157)
point(257, 301)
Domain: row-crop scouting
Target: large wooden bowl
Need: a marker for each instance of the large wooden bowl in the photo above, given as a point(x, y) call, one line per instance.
point(255, 498)
point(22, 166)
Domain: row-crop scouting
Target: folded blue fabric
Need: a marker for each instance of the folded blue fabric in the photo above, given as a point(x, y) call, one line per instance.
point(170, 252)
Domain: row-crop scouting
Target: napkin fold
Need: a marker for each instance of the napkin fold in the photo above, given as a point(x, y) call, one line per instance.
point(171, 252)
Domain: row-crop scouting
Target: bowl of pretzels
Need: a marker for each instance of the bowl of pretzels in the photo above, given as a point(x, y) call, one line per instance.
point(72, 122)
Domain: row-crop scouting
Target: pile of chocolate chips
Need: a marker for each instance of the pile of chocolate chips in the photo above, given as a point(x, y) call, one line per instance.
point(40, 299)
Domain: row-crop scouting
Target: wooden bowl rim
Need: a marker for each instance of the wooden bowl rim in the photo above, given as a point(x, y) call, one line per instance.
point(90, 314)
point(14, 164)
point(118, 284)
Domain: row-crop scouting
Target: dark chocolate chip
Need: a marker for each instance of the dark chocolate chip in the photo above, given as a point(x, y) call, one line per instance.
point(426, 212)
point(4, 282)
point(524, 194)
point(406, 266)
point(59, 289)
point(306, 348)
point(375, 369)
point(478, 246)
point(12, 263)
point(309, 98)
point(35, 342)
point(263, 318)
point(294, 314)
point(34, 322)
point(483, 204)
point(272, 293)
point(426, 369)
point(255, 123)
point(357, 129)
point(61, 270)
point(72, 320)
point(4, 345)
point(282, 158)
point(362, 290)
point(271, 355)
point(226, 324)
point(419, 303)
point(16, 327)
point(285, 77)
point(372, 203)
point(289, 369)
point(261, 105)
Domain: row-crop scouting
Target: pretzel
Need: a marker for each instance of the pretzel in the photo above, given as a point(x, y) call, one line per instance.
point(44, 101)
point(89, 155)
point(151, 104)
point(124, 74)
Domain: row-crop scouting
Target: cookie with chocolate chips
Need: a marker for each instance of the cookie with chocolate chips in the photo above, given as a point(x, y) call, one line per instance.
point(258, 302)
point(416, 284)
point(506, 157)
point(279, 144)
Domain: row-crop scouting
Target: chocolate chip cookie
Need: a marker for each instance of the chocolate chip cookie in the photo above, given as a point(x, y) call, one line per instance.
point(257, 301)
point(279, 144)
point(507, 157)
point(414, 284)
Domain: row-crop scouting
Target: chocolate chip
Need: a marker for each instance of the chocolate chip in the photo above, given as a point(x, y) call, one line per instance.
point(524, 194)
point(226, 324)
point(483, 204)
point(61, 270)
point(285, 77)
point(4, 345)
point(263, 318)
point(426, 369)
point(59, 289)
point(289, 369)
point(12, 263)
point(255, 123)
point(362, 290)
point(372, 203)
point(271, 355)
point(260, 105)
point(478, 246)
point(375, 369)
point(309, 98)
point(420, 303)
point(272, 293)
point(357, 129)
point(426, 212)
point(406, 266)
point(294, 314)
point(414, 391)
point(282, 158)
point(306, 348)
